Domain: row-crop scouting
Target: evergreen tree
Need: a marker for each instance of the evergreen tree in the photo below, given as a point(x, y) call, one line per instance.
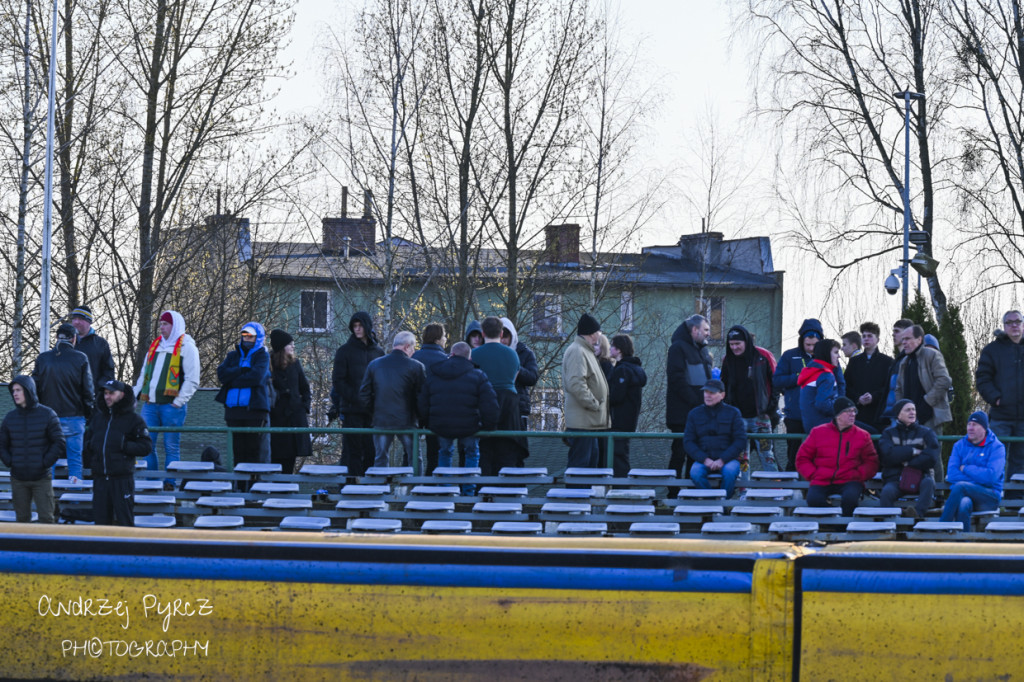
point(954, 350)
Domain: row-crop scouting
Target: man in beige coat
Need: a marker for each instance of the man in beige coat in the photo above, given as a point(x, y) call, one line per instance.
point(924, 379)
point(586, 394)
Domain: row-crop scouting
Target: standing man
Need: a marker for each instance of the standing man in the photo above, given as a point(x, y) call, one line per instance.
point(31, 442)
point(245, 388)
point(501, 365)
point(430, 353)
point(95, 347)
point(117, 437)
point(529, 372)
point(168, 380)
point(390, 390)
point(688, 368)
point(585, 392)
point(747, 376)
point(785, 378)
point(924, 379)
point(852, 345)
point(350, 363)
point(867, 378)
point(64, 381)
point(1000, 381)
point(975, 472)
point(625, 394)
point(715, 439)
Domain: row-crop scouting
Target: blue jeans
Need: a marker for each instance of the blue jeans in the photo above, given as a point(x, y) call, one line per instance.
point(446, 453)
point(583, 452)
point(382, 445)
point(164, 415)
point(1014, 451)
point(730, 472)
point(965, 498)
point(73, 429)
point(761, 447)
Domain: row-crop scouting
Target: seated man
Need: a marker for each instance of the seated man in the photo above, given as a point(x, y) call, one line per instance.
point(714, 439)
point(908, 446)
point(837, 457)
point(975, 472)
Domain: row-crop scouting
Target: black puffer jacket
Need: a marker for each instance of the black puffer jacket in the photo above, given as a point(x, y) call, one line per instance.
point(116, 436)
point(31, 440)
point(625, 389)
point(688, 368)
point(350, 363)
point(64, 381)
point(914, 445)
point(457, 400)
point(429, 355)
point(1000, 378)
point(391, 388)
point(101, 363)
point(528, 375)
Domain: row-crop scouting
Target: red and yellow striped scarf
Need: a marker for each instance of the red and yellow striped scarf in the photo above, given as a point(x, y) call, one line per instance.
point(173, 383)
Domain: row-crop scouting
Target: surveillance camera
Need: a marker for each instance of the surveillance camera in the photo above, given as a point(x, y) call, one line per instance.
point(892, 284)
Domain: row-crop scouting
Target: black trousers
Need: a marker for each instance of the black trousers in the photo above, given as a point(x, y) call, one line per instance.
point(792, 445)
point(113, 500)
point(357, 451)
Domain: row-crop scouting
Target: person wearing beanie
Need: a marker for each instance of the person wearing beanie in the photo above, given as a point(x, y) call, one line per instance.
point(922, 377)
point(168, 380)
point(687, 367)
point(350, 363)
point(715, 439)
point(818, 384)
point(293, 402)
point(245, 382)
point(95, 347)
point(908, 451)
point(747, 374)
point(837, 458)
point(975, 472)
point(585, 390)
point(117, 437)
point(787, 372)
point(64, 384)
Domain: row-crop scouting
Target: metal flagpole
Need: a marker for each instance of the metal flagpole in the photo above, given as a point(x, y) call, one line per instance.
point(44, 316)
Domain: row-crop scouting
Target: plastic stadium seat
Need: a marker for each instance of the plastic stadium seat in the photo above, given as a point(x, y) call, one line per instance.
point(323, 470)
point(257, 468)
point(516, 528)
point(651, 528)
point(376, 525)
point(218, 522)
point(305, 523)
point(582, 528)
point(155, 521)
point(436, 526)
point(430, 507)
point(726, 528)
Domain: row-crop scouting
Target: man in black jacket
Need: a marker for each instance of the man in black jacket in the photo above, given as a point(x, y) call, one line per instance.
point(430, 353)
point(95, 347)
point(350, 362)
point(457, 400)
point(31, 442)
point(528, 373)
point(688, 368)
point(390, 390)
point(64, 382)
point(1000, 381)
point(117, 435)
point(625, 389)
point(867, 378)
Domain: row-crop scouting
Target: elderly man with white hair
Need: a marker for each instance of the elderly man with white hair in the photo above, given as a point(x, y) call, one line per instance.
point(389, 391)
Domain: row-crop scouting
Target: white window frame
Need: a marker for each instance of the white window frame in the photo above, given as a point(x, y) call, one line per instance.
point(626, 311)
point(327, 311)
point(546, 412)
point(552, 305)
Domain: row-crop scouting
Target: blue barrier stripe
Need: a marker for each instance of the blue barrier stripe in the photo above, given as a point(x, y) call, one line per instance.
point(898, 582)
point(366, 573)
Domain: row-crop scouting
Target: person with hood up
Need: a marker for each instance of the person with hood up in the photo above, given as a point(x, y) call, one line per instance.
point(456, 401)
point(31, 442)
point(115, 438)
point(818, 386)
point(293, 401)
point(350, 362)
point(245, 392)
point(431, 352)
point(787, 371)
point(908, 445)
point(474, 335)
point(975, 474)
point(747, 374)
point(837, 458)
point(625, 392)
point(688, 368)
point(168, 380)
point(529, 372)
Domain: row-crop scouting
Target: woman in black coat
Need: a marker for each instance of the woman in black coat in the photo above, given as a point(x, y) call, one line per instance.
point(292, 404)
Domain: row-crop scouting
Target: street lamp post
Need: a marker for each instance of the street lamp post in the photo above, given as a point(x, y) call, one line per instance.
point(906, 96)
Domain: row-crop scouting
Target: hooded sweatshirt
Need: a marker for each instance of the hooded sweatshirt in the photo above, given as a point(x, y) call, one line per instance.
point(529, 372)
point(245, 378)
point(160, 358)
point(748, 376)
point(31, 440)
point(350, 362)
point(791, 364)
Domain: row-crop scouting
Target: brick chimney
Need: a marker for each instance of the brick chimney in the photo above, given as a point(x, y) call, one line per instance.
point(563, 244)
point(358, 234)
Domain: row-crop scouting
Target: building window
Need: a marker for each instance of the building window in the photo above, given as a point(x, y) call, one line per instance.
point(547, 410)
point(626, 312)
point(713, 308)
point(315, 311)
point(547, 314)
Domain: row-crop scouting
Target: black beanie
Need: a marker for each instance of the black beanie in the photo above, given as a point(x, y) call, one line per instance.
point(841, 404)
point(588, 325)
point(279, 338)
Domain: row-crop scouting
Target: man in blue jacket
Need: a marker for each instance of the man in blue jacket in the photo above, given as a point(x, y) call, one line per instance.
point(975, 472)
point(715, 438)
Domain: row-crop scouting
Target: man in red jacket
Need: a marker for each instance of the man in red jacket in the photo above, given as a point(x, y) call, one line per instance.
point(837, 458)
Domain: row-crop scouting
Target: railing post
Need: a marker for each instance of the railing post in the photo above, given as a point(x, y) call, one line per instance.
point(610, 460)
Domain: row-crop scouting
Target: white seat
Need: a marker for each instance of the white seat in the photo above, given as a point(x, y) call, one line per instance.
point(214, 522)
point(220, 502)
point(153, 499)
point(497, 508)
point(323, 470)
point(631, 494)
point(871, 527)
point(208, 486)
point(287, 503)
point(701, 494)
point(265, 487)
point(582, 528)
point(652, 473)
point(632, 509)
point(726, 528)
point(155, 521)
point(457, 471)
point(783, 527)
point(8, 516)
point(516, 528)
point(523, 471)
point(376, 525)
point(442, 526)
point(257, 468)
point(427, 506)
point(389, 471)
point(355, 490)
point(304, 523)
point(361, 505)
point(182, 465)
point(565, 508)
point(586, 472)
point(646, 528)
point(570, 493)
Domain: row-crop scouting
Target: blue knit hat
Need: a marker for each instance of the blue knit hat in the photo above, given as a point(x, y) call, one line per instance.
point(981, 418)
